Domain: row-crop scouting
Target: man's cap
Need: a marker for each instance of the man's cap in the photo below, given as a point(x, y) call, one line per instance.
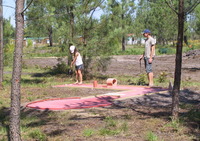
point(146, 31)
point(72, 48)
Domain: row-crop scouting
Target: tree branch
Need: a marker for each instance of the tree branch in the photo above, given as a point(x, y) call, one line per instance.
point(27, 6)
point(190, 9)
point(94, 9)
point(8, 6)
point(171, 6)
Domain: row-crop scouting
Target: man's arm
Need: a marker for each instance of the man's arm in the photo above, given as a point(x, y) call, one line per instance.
point(142, 56)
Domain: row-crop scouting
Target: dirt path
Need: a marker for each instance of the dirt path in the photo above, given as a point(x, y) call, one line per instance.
point(129, 65)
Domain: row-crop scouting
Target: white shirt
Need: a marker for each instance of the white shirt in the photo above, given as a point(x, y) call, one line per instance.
point(148, 44)
point(79, 60)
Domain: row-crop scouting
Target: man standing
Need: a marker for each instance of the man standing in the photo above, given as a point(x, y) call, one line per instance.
point(149, 54)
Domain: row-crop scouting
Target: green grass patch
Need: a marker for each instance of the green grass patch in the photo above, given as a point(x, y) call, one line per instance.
point(113, 127)
point(3, 132)
point(55, 51)
point(88, 132)
point(150, 136)
point(176, 125)
point(37, 134)
point(131, 50)
point(193, 115)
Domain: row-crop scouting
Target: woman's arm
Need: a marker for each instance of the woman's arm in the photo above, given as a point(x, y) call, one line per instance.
point(74, 59)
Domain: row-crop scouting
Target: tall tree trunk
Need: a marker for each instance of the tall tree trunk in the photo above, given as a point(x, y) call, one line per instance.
point(123, 38)
point(72, 22)
point(177, 80)
point(71, 14)
point(1, 44)
point(16, 75)
point(50, 30)
point(123, 44)
point(85, 61)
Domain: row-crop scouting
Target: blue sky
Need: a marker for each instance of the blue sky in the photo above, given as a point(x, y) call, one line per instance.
point(8, 11)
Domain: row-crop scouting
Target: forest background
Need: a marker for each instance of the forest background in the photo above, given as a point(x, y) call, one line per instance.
point(65, 22)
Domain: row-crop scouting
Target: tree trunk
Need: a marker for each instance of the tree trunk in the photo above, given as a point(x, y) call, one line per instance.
point(16, 75)
point(177, 80)
point(1, 44)
point(123, 44)
point(71, 14)
point(50, 36)
point(72, 22)
point(123, 38)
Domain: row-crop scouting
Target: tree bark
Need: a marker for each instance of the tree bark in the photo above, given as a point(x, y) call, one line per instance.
point(50, 32)
point(72, 22)
point(177, 80)
point(123, 44)
point(123, 38)
point(1, 44)
point(16, 75)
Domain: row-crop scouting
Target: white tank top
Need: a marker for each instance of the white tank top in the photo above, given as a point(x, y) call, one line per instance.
point(79, 60)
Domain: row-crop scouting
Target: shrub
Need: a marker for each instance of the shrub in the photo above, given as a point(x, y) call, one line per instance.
point(38, 135)
point(8, 53)
point(162, 77)
point(151, 136)
point(88, 132)
point(61, 67)
point(141, 80)
point(165, 50)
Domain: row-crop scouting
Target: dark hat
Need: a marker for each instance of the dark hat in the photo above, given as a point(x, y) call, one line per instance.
point(146, 31)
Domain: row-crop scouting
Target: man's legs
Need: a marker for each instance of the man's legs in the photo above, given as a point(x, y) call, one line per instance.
point(150, 77)
point(148, 67)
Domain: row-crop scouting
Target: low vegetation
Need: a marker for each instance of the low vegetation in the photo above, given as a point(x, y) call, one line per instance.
point(111, 123)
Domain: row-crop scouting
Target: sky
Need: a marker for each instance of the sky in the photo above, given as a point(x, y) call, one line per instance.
point(9, 12)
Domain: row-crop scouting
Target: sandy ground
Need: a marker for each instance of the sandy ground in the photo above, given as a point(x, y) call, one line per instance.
point(141, 114)
point(129, 65)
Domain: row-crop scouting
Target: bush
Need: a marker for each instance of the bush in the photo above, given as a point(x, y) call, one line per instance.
point(61, 68)
point(165, 50)
point(8, 53)
point(162, 77)
point(38, 135)
point(151, 136)
point(141, 80)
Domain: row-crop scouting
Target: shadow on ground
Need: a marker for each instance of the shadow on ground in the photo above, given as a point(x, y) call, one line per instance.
point(159, 106)
point(156, 106)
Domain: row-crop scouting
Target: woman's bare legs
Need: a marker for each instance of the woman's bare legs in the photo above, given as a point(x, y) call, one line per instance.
point(76, 77)
point(80, 76)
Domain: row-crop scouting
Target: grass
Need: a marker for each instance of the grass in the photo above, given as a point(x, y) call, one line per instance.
point(32, 127)
point(113, 127)
point(160, 49)
point(151, 136)
point(37, 135)
point(56, 51)
point(108, 123)
point(88, 132)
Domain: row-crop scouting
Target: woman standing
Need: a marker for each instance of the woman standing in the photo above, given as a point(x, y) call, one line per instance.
point(77, 60)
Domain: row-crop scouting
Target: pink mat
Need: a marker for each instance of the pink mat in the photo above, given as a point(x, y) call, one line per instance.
point(88, 102)
point(63, 104)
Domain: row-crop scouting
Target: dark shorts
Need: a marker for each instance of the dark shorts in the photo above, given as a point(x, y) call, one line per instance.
point(148, 66)
point(79, 67)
